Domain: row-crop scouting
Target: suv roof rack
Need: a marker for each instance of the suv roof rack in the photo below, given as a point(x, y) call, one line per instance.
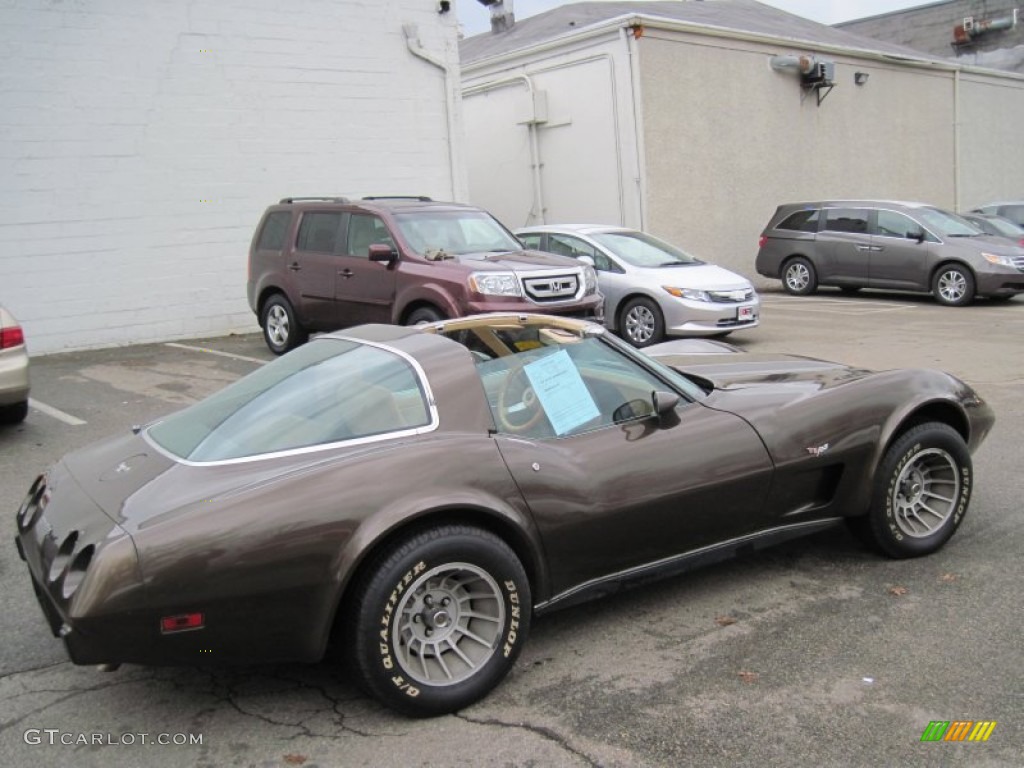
point(418, 198)
point(285, 200)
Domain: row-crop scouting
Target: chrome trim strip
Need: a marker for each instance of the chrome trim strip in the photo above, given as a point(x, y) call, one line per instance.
point(640, 570)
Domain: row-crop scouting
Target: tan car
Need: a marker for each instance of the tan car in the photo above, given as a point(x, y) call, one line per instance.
point(14, 382)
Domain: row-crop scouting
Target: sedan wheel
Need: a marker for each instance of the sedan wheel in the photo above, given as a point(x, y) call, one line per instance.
point(642, 323)
point(953, 286)
point(440, 620)
point(922, 490)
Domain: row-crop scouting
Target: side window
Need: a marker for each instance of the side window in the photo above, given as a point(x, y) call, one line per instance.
point(801, 221)
point(365, 230)
point(565, 388)
point(532, 241)
point(893, 224)
point(565, 245)
point(853, 220)
point(318, 232)
point(274, 232)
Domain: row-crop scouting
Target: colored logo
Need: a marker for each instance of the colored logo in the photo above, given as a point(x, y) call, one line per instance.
point(958, 730)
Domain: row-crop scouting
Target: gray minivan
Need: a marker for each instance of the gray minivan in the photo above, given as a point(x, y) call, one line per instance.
point(856, 244)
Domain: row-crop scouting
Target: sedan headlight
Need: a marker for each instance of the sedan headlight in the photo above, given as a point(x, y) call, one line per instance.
point(589, 280)
point(688, 293)
point(495, 283)
point(995, 258)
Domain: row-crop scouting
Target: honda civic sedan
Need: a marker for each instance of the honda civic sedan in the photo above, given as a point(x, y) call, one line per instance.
point(653, 289)
point(417, 495)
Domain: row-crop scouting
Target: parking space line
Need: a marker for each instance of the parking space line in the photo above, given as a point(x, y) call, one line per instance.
point(218, 352)
point(834, 306)
point(56, 413)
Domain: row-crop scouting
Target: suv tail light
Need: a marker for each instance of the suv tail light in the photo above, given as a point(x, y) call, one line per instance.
point(762, 241)
point(11, 337)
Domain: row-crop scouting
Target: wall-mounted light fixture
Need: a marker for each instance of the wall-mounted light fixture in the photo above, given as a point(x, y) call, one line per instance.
point(860, 78)
point(444, 6)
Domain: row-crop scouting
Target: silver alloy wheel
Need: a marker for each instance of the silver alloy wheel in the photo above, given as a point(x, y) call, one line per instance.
point(926, 492)
point(798, 277)
point(278, 326)
point(640, 322)
point(449, 624)
point(952, 286)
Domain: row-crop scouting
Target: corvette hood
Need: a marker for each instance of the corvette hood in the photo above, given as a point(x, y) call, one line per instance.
point(777, 373)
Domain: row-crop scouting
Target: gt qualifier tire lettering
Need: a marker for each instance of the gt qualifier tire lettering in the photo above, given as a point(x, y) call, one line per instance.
point(385, 649)
point(440, 617)
point(922, 491)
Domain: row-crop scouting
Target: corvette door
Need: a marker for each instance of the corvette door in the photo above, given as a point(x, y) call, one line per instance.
point(609, 487)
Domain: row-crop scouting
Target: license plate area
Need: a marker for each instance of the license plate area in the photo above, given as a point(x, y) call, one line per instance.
point(745, 314)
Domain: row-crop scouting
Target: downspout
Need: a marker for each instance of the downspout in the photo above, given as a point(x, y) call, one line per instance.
point(956, 140)
point(537, 211)
point(412, 41)
point(636, 104)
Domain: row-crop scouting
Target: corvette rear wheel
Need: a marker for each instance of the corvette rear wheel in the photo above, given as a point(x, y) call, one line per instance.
point(922, 490)
point(440, 618)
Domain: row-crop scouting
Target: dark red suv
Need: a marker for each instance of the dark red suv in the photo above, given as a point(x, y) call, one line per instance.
point(322, 263)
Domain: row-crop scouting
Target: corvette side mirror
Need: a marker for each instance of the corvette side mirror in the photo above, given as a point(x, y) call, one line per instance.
point(665, 408)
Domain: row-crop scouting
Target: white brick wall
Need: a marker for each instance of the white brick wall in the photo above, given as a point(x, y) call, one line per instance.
point(140, 140)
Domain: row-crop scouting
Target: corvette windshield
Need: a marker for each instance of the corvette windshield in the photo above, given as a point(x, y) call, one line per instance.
point(327, 391)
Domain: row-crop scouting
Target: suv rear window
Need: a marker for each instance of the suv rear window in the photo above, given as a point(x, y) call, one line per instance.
point(801, 221)
point(275, 230)
point(318, 232)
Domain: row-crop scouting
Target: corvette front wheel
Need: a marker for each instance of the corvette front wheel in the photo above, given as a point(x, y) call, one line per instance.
point(440, 618)
point(922, 490)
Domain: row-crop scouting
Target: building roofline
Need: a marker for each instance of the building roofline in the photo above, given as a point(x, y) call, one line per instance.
point(629, 20)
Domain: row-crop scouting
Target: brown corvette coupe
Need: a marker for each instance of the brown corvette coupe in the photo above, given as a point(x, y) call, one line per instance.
point(419, 493)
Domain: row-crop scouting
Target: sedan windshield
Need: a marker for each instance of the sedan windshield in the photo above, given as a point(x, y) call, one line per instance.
point(642, 250)
point(947, 224)
point(438, 233)
point(327, 391)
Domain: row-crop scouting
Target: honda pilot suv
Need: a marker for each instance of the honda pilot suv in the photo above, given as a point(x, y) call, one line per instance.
point(322, 263)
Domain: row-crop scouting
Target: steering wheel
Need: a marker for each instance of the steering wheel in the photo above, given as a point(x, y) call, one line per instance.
point(519, 407)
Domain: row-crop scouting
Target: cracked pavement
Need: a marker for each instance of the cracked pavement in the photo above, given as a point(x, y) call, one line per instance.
point(833, 656)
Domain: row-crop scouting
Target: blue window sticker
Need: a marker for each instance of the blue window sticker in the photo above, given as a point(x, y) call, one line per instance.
point(564, 397)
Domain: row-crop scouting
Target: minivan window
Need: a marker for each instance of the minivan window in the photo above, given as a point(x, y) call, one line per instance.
point(846, 220)
point(318, 232)
point(892, 224)
point(275, 230)
point(801, 221)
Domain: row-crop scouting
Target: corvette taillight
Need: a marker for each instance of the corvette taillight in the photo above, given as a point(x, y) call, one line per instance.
point(11, 337)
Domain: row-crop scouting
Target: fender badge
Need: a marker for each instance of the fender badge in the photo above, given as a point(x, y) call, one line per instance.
point(817, 451)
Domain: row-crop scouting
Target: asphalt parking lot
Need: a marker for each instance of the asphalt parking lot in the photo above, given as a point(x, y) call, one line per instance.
point(815, 653)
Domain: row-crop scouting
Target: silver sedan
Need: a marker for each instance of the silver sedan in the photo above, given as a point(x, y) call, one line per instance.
point(653, 289)
point(13, 370)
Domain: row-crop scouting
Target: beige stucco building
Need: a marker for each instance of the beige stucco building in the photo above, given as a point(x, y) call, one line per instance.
point(671, 117)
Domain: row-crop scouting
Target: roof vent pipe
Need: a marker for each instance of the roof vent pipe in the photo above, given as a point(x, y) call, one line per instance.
point(502, 16)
